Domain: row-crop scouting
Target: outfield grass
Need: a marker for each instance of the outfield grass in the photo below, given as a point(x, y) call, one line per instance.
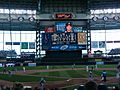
point(76, 73)
point(27, 78)
point(56, 74)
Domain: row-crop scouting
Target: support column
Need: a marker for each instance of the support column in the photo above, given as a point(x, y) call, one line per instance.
point(38, 39)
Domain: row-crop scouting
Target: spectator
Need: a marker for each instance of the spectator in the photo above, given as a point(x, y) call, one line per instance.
point(91, 85)
point(17, 86)
point(102, 87)
point(36, 88)
point(115, 88)
point(81, 87)
point(42, 82)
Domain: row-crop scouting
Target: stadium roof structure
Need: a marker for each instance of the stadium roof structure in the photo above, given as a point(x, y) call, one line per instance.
point(104, 4)
point(36, 5)
point(19, 4)
point(33, 4)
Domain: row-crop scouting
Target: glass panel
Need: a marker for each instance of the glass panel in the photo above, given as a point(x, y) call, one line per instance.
point(1, 10)
point(6, 11)
point(108, 39)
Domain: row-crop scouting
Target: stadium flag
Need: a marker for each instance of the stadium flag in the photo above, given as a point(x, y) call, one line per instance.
point(24, 45)
point(31, 45)
point(102, 44)
point(94, 44)
point(16, 43)
point(8, 43)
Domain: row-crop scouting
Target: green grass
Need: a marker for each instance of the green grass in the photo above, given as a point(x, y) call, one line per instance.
point(19, 78)
point(107, 66)
point(110, 73)
point(21, 68)
point(76, 73)
point(27, 78)
point(65, 74)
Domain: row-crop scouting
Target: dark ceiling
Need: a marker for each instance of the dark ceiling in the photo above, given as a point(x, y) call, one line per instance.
point(19, 4)
point(33, 4)
point(104, 4)
point(57, 4)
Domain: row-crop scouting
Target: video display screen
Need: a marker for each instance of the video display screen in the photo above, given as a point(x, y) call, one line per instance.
point(63, 41)
point(64, 37)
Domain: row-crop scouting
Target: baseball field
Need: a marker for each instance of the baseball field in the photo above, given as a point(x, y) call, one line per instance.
point(64, 76)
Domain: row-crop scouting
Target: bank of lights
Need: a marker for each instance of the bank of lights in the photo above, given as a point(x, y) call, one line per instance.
point(105, 18)
point(31, 19)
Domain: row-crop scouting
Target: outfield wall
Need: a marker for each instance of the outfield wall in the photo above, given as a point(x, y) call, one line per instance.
point(54, 64)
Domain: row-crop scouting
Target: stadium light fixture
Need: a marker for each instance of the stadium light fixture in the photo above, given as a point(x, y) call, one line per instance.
point(105, 18)
point(31, 19)
point(95, 18)
point(9, 18)
point(20, 19)
point(116, 17)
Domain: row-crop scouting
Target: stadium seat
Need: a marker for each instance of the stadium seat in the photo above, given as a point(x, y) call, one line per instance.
point(102, 87)
point(91, 85)
point(27, 87)
point(81, 87)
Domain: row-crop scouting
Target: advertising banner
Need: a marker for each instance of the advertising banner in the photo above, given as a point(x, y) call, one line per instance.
point(82, 38)
point(63, 15)
point(60, 26)
point(67, 27)
point(67, 47)
point(77, 29)
point(49, 29)
point(100, 63)
point(32, 64)
point(63, 38)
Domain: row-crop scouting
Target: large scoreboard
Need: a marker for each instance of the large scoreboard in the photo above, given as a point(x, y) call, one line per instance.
point(64, 36)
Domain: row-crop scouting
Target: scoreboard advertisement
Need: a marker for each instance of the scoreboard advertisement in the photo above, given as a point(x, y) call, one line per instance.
point(64, 37)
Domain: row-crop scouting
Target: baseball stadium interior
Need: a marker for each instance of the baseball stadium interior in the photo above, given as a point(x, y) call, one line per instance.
point(59, 32)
